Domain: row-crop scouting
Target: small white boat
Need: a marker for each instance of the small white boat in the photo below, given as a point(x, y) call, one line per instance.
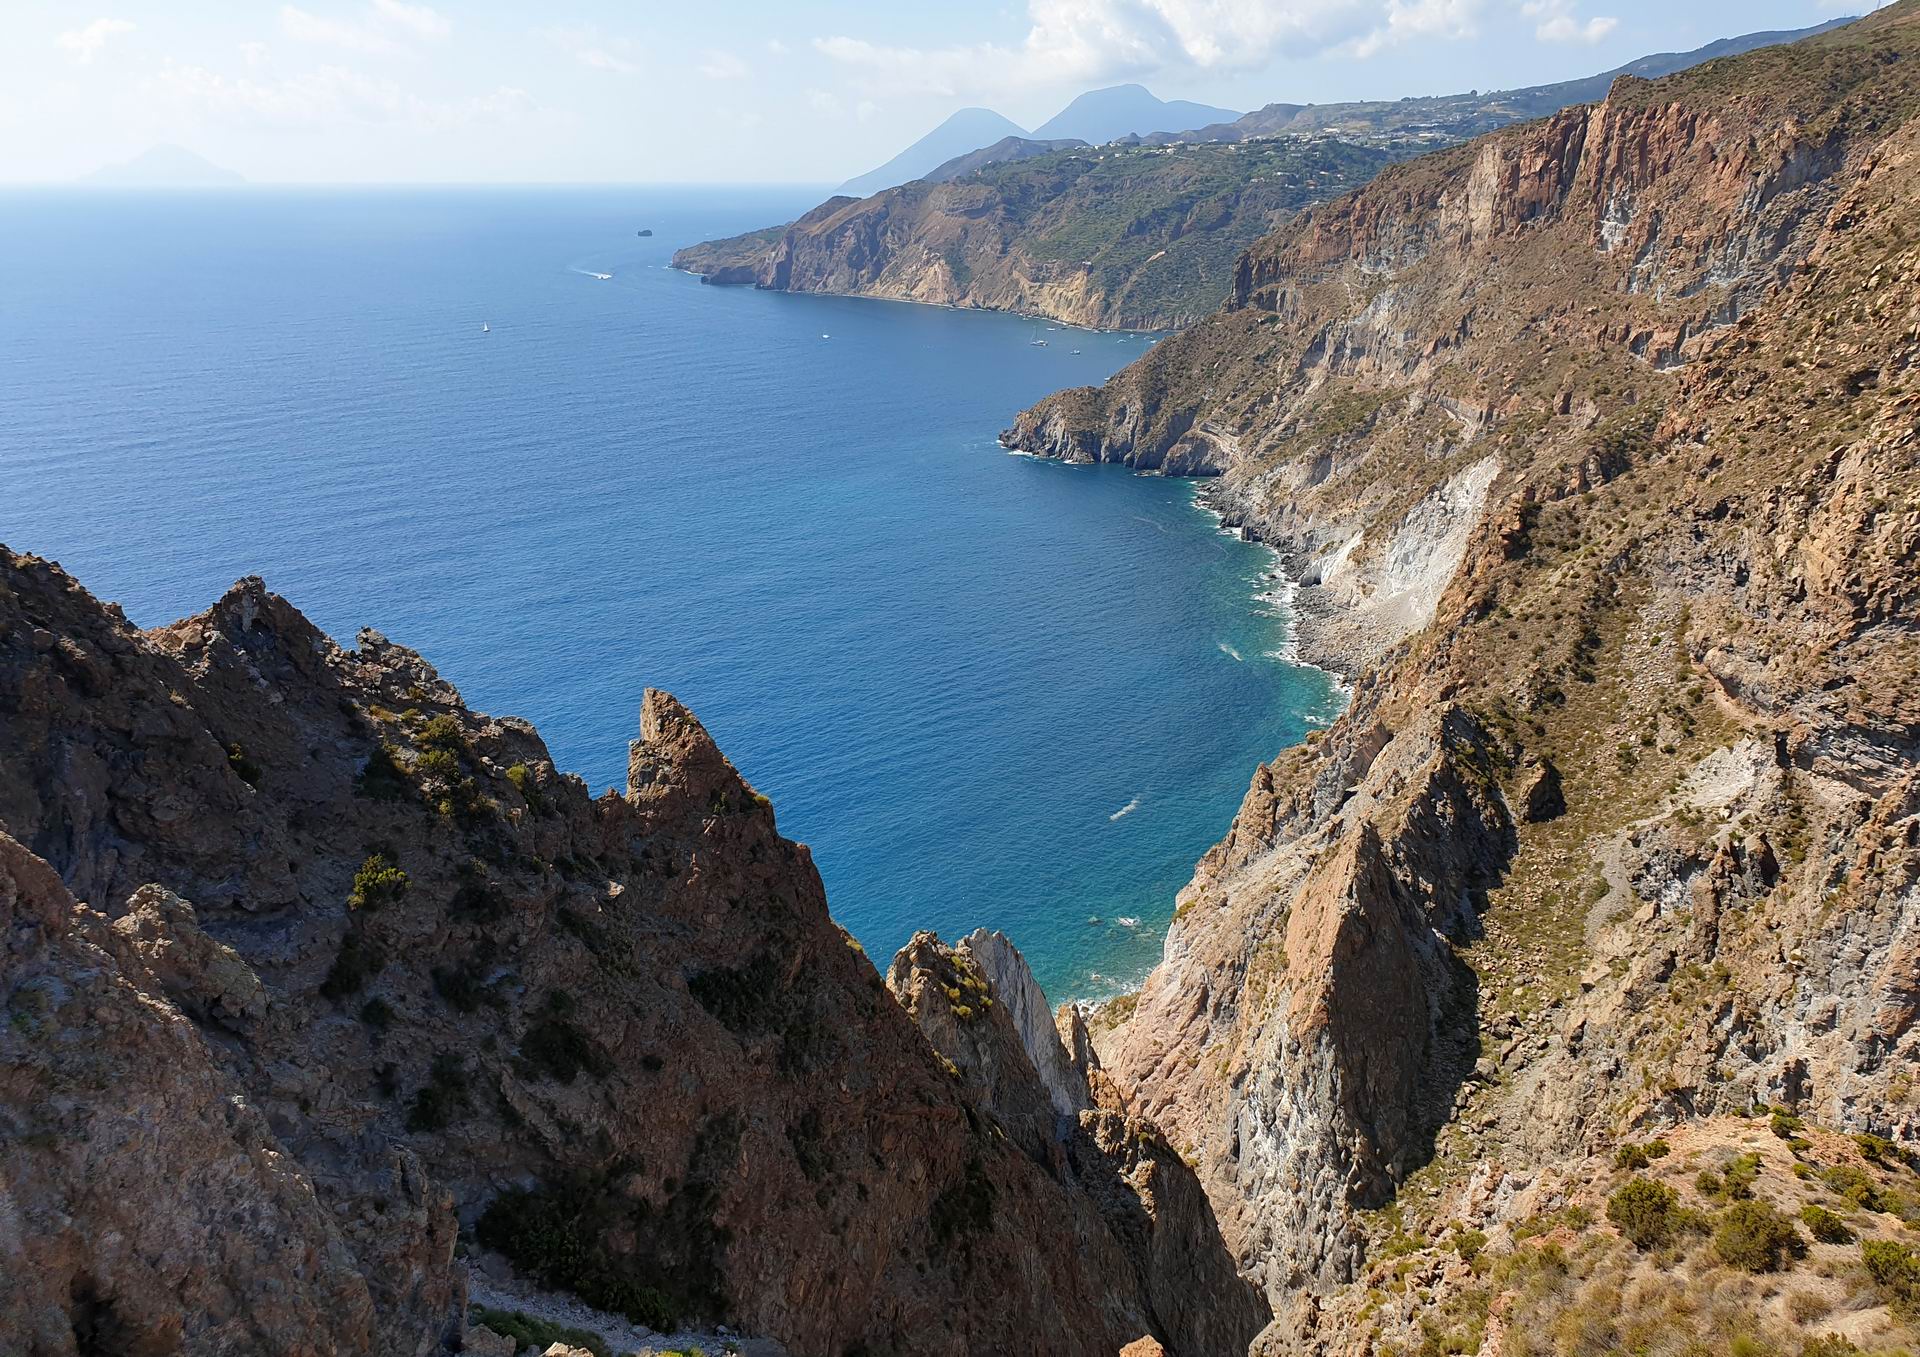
point(485, 328)
point(603, 276)
point(1075, 350)
point(826, 336)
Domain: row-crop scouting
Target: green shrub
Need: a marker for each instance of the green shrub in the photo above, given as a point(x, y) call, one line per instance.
point(1708, 1184)
point(1787, 1126)
point(382, 778)
point(461, 986)
point(554, 1048)
point(377, 883)
point(1631, 1157)
point(1825, 1226)
point(1741, 1175)
point(1642, 1210)
point(464, 801)
point(1855, 1184)
point(554, 1233)
point(243, 767)
point(443, 1097)
point(539, 1334)
point(1753, 1237)
point(1895, 1269)
point(755, 999)
point(1879, 1150)
point(442, 733)
point(442, 761)
point(1468, 1243)
point(359, 960)
point(522, 779)
point(1658, 1149)
point(442, 765)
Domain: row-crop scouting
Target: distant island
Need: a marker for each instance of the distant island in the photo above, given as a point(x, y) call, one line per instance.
point(1096, 116)
point(164, 167)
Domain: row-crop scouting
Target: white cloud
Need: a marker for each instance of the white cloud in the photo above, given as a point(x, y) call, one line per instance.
point(719, 65)
point(420, 20)
point(1407, 20)
point(302, 26)
point(328, 97)
point(386, 26)
point(590, 47)
point(1083, 41)
point(85, 43)
point(1558, 23)
point(255, 53)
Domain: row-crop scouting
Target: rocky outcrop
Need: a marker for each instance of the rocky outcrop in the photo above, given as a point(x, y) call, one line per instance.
point(149, 1205)
point(1143, 1213)
point(1111, 238)
point(391, 976)
point(1590, 447)
point(1062, 1069)
point(1357, 395)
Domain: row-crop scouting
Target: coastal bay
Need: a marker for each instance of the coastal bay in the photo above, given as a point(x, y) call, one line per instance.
point(987, 690)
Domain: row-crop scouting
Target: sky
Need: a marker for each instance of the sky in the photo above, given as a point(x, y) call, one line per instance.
point(733, 91)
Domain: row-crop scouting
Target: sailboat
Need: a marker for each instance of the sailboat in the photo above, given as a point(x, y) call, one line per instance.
point(485, 328)
point(1037, 342)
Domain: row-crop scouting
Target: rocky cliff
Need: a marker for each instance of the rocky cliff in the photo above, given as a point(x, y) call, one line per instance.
point(1592, 446)
point(1113, 237)
point(364, 978)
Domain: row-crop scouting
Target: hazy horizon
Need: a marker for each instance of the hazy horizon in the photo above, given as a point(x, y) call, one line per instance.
point(386, 92)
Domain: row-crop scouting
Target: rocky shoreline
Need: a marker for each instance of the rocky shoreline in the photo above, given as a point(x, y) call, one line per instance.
point(1588, 449)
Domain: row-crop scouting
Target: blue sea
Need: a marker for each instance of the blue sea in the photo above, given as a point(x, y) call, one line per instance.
point(987, 690)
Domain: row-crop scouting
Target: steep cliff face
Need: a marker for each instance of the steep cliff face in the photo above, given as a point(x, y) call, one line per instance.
point(149, 1206)
point(1382, 360)
point(1592, 447)
point(1109, 237)
point(425, 983)
point(1143, 1215)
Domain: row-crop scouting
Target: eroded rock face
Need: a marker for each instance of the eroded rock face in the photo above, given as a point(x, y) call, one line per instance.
point(1591, 448)
point(148, 1205)
point(444, 979)
point(1060, 1067)
point(1142, 1213)
point(205, 978)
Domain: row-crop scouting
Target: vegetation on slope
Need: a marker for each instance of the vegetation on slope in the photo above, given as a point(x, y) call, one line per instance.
point(1115, 236)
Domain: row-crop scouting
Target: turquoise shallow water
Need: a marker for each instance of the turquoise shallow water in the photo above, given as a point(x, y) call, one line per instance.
point(985, 689)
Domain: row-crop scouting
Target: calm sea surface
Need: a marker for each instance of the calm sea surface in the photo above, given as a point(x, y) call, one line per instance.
point(985, 689)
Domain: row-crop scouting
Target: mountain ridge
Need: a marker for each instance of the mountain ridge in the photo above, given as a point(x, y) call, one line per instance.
point(1569, 437)
point(417, 986)
point(1150, 240)
point(1103, 115)
point(1561, 998)
point(959, 133)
